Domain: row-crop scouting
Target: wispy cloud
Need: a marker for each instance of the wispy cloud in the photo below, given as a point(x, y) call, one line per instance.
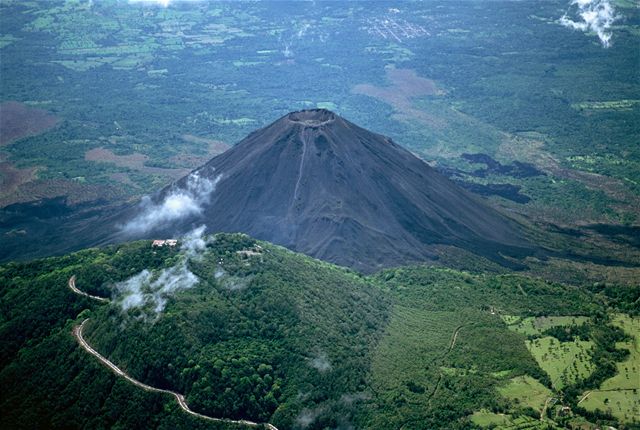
point(321, 362)
point(180, 203)
point(149, 291)
point(194, 243)
point(308, 415)
point(592, 15)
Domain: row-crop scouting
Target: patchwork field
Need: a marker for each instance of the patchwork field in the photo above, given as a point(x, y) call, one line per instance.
point(622, 404)
point(18, 120)
point(135, 161)
point(620, 395)
point(564, 362)
point(508, 422)
point(528, 392)
point(138, 80)
point(534, 326)
point(11, 178)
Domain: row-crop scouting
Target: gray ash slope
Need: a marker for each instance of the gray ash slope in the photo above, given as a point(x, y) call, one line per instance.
point(318, 184)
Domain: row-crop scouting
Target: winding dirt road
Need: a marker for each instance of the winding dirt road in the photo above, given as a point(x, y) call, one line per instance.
point(543, 412)
point(72, 285)
point(452, 344)
point(77, 333)
point(588, 393)
point(454, 339)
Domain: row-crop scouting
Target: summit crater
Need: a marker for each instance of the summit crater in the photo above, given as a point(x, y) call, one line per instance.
point(316, 183)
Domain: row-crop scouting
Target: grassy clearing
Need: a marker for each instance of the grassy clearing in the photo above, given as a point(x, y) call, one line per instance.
point(124, 63)
point(624, 405)
point(131, 62)
point(564, 362)
point(534, 326)
point(502, 421)
point(620, 395)
point(526, 391)
point(629, 4)
point(392, 52)
point(502, 374)
point(486, 419)
point(78, 65)
point(628, 371)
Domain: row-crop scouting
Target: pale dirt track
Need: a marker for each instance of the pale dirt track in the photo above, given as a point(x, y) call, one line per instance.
point(584, 397)
point(588, 393)
point(544, 408)
point(72, 285)
point(452, 344)
point(454, 339)
point(77, 333)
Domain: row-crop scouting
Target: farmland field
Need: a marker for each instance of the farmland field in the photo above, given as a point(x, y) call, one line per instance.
point(133, 79)
point(527, 390)
point(565, 362)
point(507, 422)
point(18, 120)
point(104, 103)
point(532, 326)
point(620, 395)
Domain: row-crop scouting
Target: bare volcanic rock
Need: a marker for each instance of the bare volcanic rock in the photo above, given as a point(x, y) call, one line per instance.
point(319, 184)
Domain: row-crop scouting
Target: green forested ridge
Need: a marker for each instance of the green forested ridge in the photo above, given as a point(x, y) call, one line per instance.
point(274, 336)
point(255, 330)
point(47, 380)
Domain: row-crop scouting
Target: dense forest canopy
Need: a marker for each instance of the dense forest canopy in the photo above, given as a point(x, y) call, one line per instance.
point(533, 107)
point(272, 336)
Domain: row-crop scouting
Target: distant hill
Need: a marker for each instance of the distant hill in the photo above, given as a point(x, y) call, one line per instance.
point(319, 184)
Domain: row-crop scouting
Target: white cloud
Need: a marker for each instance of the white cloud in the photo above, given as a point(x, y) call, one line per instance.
point(594, 15)
point(308, 416)
point(194, 243)
point(321, 362)
point(178, 204)
point(234, 283)
point(149, 291)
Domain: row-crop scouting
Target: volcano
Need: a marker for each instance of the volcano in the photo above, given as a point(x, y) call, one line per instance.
point(318, 184)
